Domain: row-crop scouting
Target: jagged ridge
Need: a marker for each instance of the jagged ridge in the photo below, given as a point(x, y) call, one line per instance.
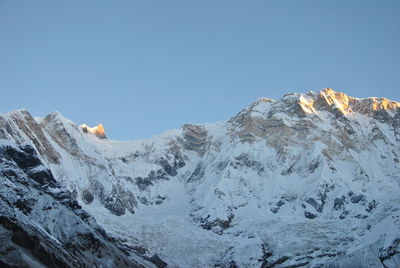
point(306, 180)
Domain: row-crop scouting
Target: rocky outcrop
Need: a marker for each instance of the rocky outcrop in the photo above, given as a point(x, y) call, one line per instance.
point(195, 138)
point(119, 200)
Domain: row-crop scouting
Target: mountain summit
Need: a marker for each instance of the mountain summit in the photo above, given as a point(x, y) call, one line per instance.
point(97, 130)
point(329, 100)
point(309, 180)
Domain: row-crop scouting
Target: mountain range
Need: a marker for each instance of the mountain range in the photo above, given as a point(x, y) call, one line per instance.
point(309, 180)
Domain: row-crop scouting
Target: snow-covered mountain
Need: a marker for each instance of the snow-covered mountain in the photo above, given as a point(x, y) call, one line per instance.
point(310, 180)
point(42, 225)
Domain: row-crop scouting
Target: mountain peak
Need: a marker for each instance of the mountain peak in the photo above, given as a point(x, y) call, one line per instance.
point(267, 100)
point(97, 130)
point(314, 102)
point(56, 115)
point(18, 112)
point(347, 104)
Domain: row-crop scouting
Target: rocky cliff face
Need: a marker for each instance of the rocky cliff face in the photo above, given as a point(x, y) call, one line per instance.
point(42, 225)
point(310, 180)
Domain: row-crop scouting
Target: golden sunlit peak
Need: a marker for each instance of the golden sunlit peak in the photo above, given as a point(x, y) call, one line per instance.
point(337, 99)
point(384, 104)
point(347, 104)
point(307, 104)
point(97, 130)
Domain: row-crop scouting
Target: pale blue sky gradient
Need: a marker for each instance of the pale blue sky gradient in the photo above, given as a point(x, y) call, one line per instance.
point(144, 67)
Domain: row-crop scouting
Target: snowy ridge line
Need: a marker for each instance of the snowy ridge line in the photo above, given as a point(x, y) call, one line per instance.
point(310, 180)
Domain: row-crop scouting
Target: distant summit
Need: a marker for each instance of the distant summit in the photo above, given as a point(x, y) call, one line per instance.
point(329, 99)
point(97, 130)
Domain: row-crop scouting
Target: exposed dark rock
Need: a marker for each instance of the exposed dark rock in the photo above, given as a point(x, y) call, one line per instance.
point(127, 197)
point(25, 205)
point(87, 196)
point(158, 261)
point(318, 207)
point(65, 198)
point(371, 206)
point(339, 203)
point(390, 251)
point(288, 171)
point(167, 167)
point(266, 253)
point(143, 183)
point(25, 157)
point(309, 215)
point(197, 174)
point(360, 216)
point(382, 116)
point(171, 164)
point(357, 198)
point(275, 263)
point(217, 225)
point(244, 160)
point(274, 210)
point(344, 214)
point(278, 205)
point(222, 165)
point(32, 244)
point(115, 205)
point(143, 200)
point(42, 176)
point(8, 172)
point(160, 174)
point(314, 165)
point(139, 249)
point(160, 199)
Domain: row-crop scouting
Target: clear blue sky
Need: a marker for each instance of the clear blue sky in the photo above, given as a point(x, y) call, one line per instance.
point(143, 67)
